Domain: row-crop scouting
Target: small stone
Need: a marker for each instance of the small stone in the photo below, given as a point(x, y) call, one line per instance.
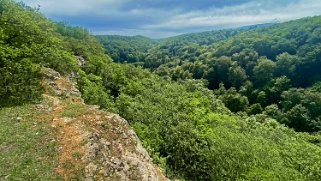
point(117, 164)
point(94, 107)
point(90, 170)
point(93, 136)
point(19, 119)
point(67, 119)
point(105, 143)
point(91, 151)
point(131, 133)
point(104, 173)
point(52, 83)
point(125, 136)
point(80, 61)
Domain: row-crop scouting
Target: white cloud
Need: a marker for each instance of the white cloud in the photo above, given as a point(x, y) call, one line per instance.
point(128, 18)
point(246, 14)
point(75, 7)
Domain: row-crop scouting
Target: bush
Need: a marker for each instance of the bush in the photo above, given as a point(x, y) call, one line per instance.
point(20, 82)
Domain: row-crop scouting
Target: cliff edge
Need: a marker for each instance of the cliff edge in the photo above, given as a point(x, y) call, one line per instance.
point(95, 144)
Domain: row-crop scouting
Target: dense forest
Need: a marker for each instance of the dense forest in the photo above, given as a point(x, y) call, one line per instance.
point(127, 49)
point(238, 104)
point(273, 67)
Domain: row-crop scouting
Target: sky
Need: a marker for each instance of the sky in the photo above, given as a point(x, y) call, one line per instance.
point(164, 18)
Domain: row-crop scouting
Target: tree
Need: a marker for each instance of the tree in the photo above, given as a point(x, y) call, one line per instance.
point(263, 71)
point(274, 112)
point(19, 83)
point(232, 99)
point(247, 59)
point(236, 76)
point(286, 65)
point(298, 118)
point(275, 88)
point(254, 109)
point(218, 71)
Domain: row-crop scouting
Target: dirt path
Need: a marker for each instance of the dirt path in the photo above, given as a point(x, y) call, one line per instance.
point(93, 144)
point(69, 136)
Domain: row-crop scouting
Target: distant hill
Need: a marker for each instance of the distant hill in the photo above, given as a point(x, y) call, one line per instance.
point(201, 38)
point(133, 49)
point(126, 48)
point(257, 25)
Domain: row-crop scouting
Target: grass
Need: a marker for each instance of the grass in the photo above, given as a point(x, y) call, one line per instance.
point(76, 155)
point(27, 147)
point(73, 109)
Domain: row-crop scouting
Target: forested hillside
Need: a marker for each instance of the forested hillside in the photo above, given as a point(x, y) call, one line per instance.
point(135, 49)
point(235, 132)
point(272, 67)
point(126, 49)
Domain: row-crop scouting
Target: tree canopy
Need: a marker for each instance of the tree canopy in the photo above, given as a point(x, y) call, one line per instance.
point(260, 119)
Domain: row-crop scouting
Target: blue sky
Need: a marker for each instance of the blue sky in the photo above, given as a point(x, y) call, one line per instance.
point(163, 18)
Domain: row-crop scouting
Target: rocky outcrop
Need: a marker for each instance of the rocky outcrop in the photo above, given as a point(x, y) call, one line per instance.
point(100, 145)
point(114, 151)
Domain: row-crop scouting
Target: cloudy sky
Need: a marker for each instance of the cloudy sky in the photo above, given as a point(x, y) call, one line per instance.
point(163, 18)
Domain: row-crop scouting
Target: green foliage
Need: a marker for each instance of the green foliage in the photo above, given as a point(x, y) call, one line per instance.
point(183, 129)
point(186, 127)
point(273, 111)
point(232, 99)
point(254, 109)
point(126, 49)
point(202, 38)
point(28, 41)
point(302, 109)
point(19, 83)
point(263, 71)
point(93, 92)
point(260, 62)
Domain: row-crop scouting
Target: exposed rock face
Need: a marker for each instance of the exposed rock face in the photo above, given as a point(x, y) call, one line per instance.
point(117, 152)
point(101, 144)
point(80, 61)
point(59, 85)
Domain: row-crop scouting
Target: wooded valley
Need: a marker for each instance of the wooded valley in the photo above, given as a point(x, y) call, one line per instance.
point(236, 104)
